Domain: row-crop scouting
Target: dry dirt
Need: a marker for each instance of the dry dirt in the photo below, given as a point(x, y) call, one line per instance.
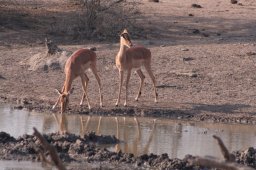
point(203, 59)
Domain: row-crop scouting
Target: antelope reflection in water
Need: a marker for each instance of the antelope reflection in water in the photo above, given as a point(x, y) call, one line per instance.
point(84, 128)
point(135, 149)
point(62, 123)
point(136, 146)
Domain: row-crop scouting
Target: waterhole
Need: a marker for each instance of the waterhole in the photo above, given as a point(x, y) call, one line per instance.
point(139, 135)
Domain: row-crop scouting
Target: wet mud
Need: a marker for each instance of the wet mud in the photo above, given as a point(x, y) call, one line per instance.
point(75, 149)
point(46, 107)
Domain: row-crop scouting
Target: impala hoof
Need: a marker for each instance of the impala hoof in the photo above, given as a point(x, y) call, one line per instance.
point(136, 99)
point(125, 104)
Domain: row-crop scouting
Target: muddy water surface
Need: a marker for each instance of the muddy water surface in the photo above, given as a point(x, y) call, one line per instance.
point(139, 135)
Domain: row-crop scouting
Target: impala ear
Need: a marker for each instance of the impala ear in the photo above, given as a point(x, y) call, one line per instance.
point(58, 91)
point(125, 31)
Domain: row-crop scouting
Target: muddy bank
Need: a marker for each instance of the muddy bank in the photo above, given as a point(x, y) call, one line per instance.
point(69, 146)
point(46, 107)
point(72, 148)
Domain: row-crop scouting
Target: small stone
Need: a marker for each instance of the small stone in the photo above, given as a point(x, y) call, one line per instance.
point(184, 49)
point(205, 35)
point(233, 1)
point(78, 141)
point(244, 121)
point(19, 107)
point(196, 6)
point(188, 58)
point(92, 48)
point(153, 0)
point(195, 31)
point(251, 53)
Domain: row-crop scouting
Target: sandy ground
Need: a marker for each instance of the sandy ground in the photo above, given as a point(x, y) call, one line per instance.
point(204, 64)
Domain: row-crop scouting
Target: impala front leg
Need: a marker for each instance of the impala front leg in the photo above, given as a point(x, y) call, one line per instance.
point(54, 106)
point(82, 100)
point(126, 86)
point(63, 88)
point(121, 74)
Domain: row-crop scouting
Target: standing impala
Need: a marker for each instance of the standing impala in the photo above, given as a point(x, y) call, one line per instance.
point(76, 65)
point(130, 57)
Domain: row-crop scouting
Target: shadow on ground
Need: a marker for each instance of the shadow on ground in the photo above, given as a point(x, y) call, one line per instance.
point(222, 108)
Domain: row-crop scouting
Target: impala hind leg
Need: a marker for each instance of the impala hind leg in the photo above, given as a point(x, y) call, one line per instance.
point(94, 71)
point(85, 81)
point(148, 68)
point(126, 86)
point(121, 75)
point(142, 77)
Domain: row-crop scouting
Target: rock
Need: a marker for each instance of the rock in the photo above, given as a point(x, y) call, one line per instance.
point(251, 53)
point(92, 48)
point(233, 1)
point(153, 0)
point(205, 35)
point(195, 31)
point(196, 6)
point(6, 138)
point(184, 49)
point(187, 58)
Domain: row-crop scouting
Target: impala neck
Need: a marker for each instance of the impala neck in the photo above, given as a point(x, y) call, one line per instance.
point(122, 50)
point(67, 83)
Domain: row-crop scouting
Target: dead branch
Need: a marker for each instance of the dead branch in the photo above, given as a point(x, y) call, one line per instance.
point(229, 163)
point(111, 5)
point(219, 165)
point(52, 48)
point(43, 158)
point(52, 151)
point(228, 157)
